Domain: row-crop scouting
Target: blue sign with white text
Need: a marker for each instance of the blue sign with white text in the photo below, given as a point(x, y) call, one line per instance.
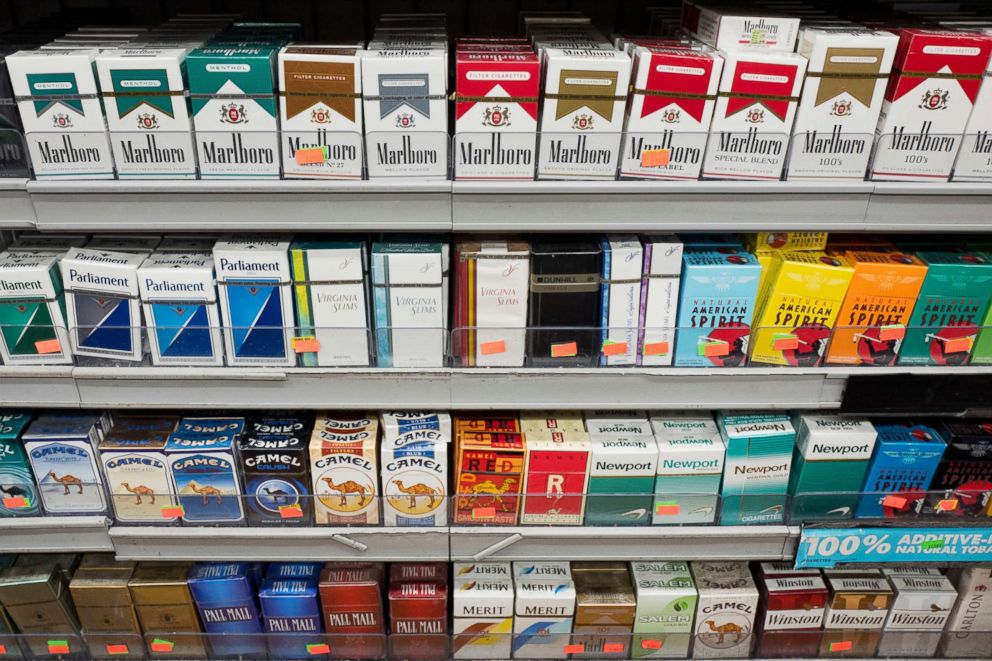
point(827, 547)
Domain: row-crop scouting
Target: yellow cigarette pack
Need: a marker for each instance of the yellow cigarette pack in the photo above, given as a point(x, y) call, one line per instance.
point(785, 241)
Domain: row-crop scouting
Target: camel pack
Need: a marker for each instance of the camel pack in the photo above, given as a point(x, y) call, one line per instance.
point(204, 470)
point(62, 449)
point(134, 461)
point(275, 468)
point(344, 469)
point(415, 478)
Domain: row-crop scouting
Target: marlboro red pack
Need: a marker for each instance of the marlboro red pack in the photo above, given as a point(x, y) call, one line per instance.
point(936, 78)
point(756, 106)
point(351, 600)
point(672, 104)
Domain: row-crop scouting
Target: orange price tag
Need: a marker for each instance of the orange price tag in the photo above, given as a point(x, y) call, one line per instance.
point(716, 348)
point(668, 508)
point(892, 332)
point(48, 346)
point(842, 646)
point(959, 344)
point(162, 645)
point(650, 644)
point(653, 158)
point(310, 156)
point(896, 502)
point(3, 649)
point(291, 511)
point(58, 647)
point(172, 511)
point(306, 344)
point(947, 505)
point(574, 649)
point(483, 513)
point(116, 649)
point(784, 342)
point(16, 502)
point(318, 648)
point(656, 348)
point(612, 648)
point(614, 348)
point(494, 347)
point(564, 350)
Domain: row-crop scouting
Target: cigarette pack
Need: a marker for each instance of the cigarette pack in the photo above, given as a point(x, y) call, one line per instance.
point(966, 464)
point(205, 473)
point(934, 83)
point(804, 294)
point(489, 474)
point(330, 283)
point(106, 609)
point(135, 464)
point(275, 469)
point(406, 118)
point(756, 473)
point(755, 108)
point(921, 603)
point(725, 29)
point(396, 424)
point(544, 612)
point(129, 243)
point(62, 451)
point(690, 468)
point(32, 311)
point(829, 464)
point(491, 302)
point(415, 478)
point(46, 244)
point(794, 607)
point(36, 598)
point(771, 242)
point(547, 570)
point(784, 569)
point(225, 597)
point(564, 307)
point(556, 478)
point(905, 459)
point(16, 478)
point(102, 306)
point(290, 606)
point(320, 106)
point(418, 618)
point(972, 162)
point(605, 606)
point(304, 570)
point(232, 89)
point(621, 479)
point(10, 119)
point(617, 423)
point(659, 299)
point(725, 611)
point(344, 468)
point(179, 300)
point(483, 617)
point(496, 94)
point(716, 306)
point(552, 425)
point(407, 291)
point(678, 422)
point(147, 112)
point(952, 303)
point(857, 603)
point(351, 598)
point(841, 101)
point(666, 603)
point(973, 610)
point(871, 323)
point(482, 570)
point(253, 278)
point(582, 115)
point(162, 599)
point(58, 100)
point(620, 303)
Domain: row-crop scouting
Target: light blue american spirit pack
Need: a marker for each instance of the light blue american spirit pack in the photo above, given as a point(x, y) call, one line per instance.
point(180, 305)
point(101, 295)
point(253, 281)
point(620, 308)
point(717, 301)
point(62, 451)
point(756, 473)
point(16, 479)
point(32, 311)
point(201, 456)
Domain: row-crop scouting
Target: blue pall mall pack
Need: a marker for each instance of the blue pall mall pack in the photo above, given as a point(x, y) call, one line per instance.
point(224, 593)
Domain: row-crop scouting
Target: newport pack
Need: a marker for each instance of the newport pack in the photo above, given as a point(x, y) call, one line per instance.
point(690, 468)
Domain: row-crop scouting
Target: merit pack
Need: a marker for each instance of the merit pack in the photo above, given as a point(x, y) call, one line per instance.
point(756, 474)
point(32, 311)
point(483, 617)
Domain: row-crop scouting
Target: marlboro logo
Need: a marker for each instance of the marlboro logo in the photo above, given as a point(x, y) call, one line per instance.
point(594, 90)
point(582, 122)
point(330, 84)
point(233, 113)
point(755, 116)
point(934, 100)
point(147, 121)
point(320, 116)
point(496, 116)
point(672, 116)
point(61, 121)
point(841, 108)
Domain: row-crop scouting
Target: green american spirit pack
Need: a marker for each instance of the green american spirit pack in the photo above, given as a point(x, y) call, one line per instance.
point(32, 311)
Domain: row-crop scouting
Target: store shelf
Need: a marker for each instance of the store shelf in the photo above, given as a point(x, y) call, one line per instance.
point(16, 208)
point(272, 544)
point(634, 543)
point(51, 534)
point(911, 207)
point(240, 206)
point(51, 386)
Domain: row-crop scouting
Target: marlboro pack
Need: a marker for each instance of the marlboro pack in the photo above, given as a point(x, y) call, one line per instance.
point(723, 28)
point(930, 96)
point(841, 101)
point(673, 96)
point(496, 94)
point(973, 163)
point(759, 93)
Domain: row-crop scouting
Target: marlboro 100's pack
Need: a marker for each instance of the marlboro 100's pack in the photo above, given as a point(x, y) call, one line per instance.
point(674, 93)
point(841, 101)
point(930, 96)
point(973, 162)
point(759, 92)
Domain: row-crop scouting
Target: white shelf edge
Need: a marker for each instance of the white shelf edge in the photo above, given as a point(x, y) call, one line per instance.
point(50, 534)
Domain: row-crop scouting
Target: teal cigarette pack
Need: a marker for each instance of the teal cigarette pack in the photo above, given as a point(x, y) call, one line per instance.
point(756, 475)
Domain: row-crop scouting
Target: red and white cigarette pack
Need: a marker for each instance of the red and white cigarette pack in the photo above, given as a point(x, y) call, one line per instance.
point(555, 478)
point(975, 156)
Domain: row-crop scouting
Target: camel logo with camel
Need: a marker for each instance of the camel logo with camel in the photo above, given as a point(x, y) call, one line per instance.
point(414, 497)
point(345, 495)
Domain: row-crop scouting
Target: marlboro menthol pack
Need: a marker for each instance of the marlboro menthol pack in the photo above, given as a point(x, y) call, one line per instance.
point(147, 112)
point(32, 311)
point(62, 451)
point(60, 108)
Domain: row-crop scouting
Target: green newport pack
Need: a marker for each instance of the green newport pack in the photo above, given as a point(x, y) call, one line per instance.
point(690, 466)
point(830, 460)
point(16, 477)
point(756, 475)
point(32, 311)
point(621, 479)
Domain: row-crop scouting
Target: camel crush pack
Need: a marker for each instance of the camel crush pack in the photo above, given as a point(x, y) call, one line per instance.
point(274, 467)
point(62, 451)
point(200, 454)
point(344, 468)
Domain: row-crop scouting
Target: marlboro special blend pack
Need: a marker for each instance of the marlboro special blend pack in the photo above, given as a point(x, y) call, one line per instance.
point(804, 293)
point(406, 118)
point(16, 478)
point(620, 305)
point(60, 108)
point(273, 454)
point(62, 451)
point(717, 301)
point(691, 457)
point(659, 299)
point(232, 89)
point(496, 95)
point(666, 603)
point(138, 474)
point(794, 607)
point(102, 306)
point(344, 468)
point(491, 285)
point(829, 464)
point(973, 162)
point(179, 300)
point(483, 617)
point(952, 304)
point(674, 93)
point(200, 454)
point(225, 596)
point(754, 112)
point(583, 112)
point(32, 311)
point(756, 474)
point(725, 29)
point(905, 459)
point(841, 101)
point(934, 83)
point(872, 321)
point(320, 105)
point(147, 112)
point(330, 284)
point(725, 610)
point(253, 279)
